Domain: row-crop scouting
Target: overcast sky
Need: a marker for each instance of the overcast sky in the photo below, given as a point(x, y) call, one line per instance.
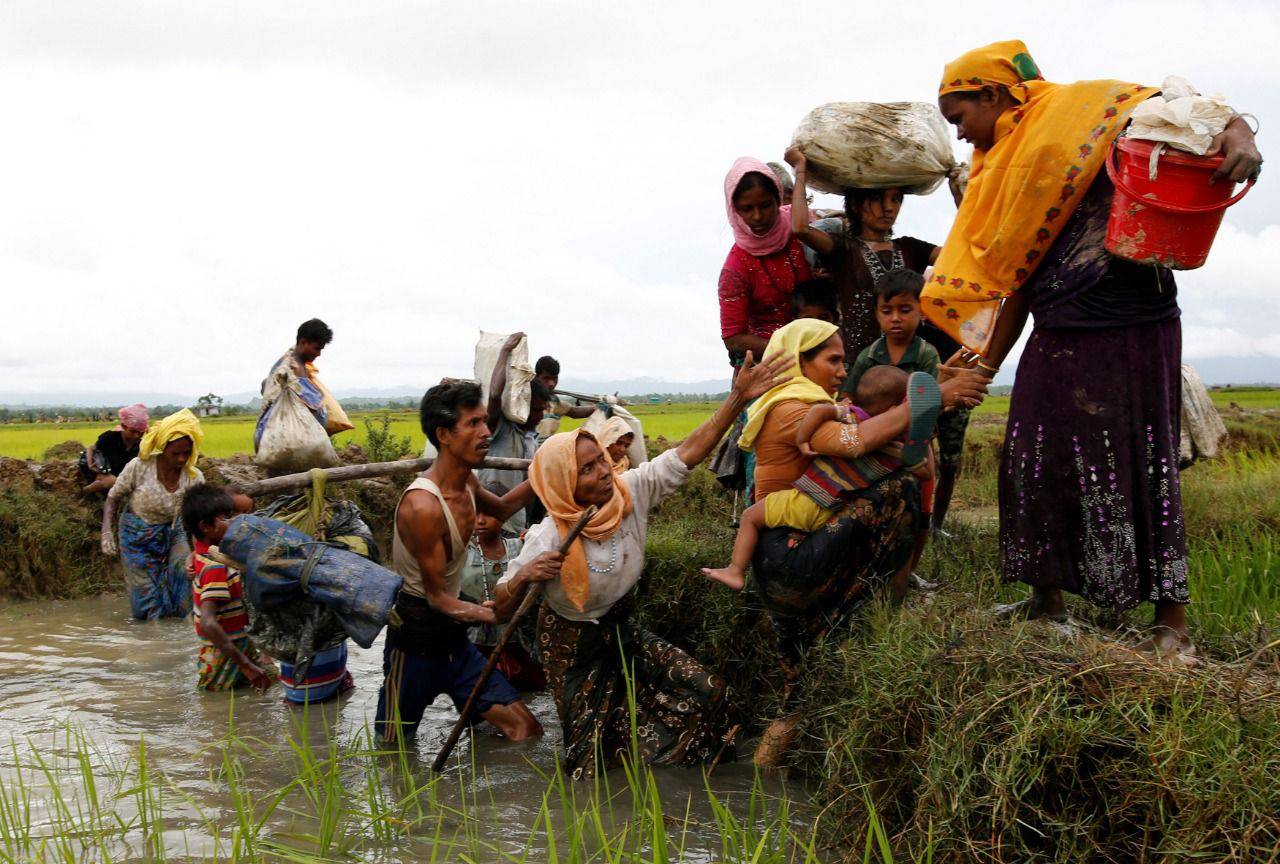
point(182, 183)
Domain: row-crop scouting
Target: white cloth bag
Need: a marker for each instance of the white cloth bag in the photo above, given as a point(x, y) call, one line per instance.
point(876, 145)
point(292, 439)
point(517, 396)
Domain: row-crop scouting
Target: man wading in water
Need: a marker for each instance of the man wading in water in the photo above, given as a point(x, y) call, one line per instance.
point(429, 653)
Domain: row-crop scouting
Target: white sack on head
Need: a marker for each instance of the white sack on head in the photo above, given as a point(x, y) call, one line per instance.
point(517, 396)
point(1180, 117)
point(874, 145)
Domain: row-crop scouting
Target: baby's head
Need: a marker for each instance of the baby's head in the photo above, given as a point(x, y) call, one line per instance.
point(206, 510)
point(880, 388)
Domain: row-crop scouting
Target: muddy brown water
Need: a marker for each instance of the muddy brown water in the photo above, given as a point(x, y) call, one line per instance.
point(87, 665)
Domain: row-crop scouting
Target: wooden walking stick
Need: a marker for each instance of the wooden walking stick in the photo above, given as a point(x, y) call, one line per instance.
point(530, 600)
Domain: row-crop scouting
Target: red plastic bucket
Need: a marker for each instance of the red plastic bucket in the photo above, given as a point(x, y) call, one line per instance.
point(1169, 221)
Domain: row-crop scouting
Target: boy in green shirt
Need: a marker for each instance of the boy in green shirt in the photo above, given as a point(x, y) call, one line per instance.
point(898, 313)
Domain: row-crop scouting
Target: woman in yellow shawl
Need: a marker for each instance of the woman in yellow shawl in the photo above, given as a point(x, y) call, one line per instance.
point(587, 637)
point(152, 545)
point(810, 583)
point(1089, 494)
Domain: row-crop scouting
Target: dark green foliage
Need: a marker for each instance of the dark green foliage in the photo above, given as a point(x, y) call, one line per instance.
point(381, 444)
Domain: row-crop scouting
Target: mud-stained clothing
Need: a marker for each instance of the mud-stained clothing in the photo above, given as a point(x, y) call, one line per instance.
point(212, 581)
point(683, 711)
point(1090, 495)
point(429, 653)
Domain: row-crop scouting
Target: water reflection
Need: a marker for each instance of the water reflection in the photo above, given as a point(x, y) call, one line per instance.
point(88, 664)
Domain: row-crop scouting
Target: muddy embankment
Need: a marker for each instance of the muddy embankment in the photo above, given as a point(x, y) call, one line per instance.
point(49, 531)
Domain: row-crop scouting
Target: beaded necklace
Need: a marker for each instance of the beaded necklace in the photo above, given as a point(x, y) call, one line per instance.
point(873, 262)
point(613, 558)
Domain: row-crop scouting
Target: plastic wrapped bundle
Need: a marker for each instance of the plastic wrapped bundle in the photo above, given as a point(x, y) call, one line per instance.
point(281, 565)
point(876, 145)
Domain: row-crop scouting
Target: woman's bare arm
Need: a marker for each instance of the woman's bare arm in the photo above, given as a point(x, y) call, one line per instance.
point(752, 380)
point(819, 241)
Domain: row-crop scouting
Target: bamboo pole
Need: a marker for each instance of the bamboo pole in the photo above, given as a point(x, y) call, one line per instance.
point(343, 473)
point(530, 599)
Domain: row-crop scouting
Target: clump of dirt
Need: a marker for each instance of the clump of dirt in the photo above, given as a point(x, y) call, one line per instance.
point(17, 474)
point(237, 470)
point(353, 454)
point(61, 478)
point(43, 512)
point(67, 450)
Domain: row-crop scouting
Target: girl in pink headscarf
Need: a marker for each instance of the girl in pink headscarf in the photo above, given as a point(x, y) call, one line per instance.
point(765, 264)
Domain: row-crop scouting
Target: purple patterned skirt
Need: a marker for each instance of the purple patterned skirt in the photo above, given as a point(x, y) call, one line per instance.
point(1090, 500)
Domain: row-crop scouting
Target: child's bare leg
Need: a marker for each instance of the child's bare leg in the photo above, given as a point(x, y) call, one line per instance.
point(744, 546)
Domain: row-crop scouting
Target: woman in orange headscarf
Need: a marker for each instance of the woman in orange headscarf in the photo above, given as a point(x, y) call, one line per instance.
point(588, 640)
point(1089, 494)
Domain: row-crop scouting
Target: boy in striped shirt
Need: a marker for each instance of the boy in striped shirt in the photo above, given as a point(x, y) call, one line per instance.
point(227, 659)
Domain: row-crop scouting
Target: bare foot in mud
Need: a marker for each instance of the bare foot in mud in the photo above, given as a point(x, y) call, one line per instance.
point(1169, 645)
point(1048, 604)
point(734, 577)
point(776, 741)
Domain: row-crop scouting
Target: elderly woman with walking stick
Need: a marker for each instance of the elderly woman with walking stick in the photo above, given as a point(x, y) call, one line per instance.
point(589, 641)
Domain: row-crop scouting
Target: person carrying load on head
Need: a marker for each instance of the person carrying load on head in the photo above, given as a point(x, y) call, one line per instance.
point(509, 439)
point(429, 652)
point(1090, 500)
point(148, 498)
point(102, 462)
point(859, 250)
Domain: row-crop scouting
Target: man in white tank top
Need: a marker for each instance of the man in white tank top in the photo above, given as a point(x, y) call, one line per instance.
point(430, 654)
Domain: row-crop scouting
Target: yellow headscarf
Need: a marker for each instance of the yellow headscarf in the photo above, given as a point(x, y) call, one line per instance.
point(182, 424)
point(554, 477)
point(793, 340)
point(1022, 191)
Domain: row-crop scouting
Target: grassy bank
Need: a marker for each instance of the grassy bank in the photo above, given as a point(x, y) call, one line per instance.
point(972, 739)
point(967, 738)
point(225, 436)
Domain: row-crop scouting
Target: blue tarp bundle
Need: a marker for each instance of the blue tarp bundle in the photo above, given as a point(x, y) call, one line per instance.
point(283, 565)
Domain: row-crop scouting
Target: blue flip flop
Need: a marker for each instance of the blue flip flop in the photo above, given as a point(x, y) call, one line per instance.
point(925, 401)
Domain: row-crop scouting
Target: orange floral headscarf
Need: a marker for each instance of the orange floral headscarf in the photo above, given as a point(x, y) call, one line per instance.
point(554, 477)
point(1021, 191)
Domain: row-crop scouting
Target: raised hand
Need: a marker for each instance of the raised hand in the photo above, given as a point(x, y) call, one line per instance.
point(754, 379)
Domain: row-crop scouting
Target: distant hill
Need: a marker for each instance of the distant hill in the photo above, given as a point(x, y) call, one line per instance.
point(1263, 371)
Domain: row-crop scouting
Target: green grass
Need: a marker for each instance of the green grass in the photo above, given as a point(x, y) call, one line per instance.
point(225, 436)
point(64, 798)
point(934, 731)
point(1249, 398)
